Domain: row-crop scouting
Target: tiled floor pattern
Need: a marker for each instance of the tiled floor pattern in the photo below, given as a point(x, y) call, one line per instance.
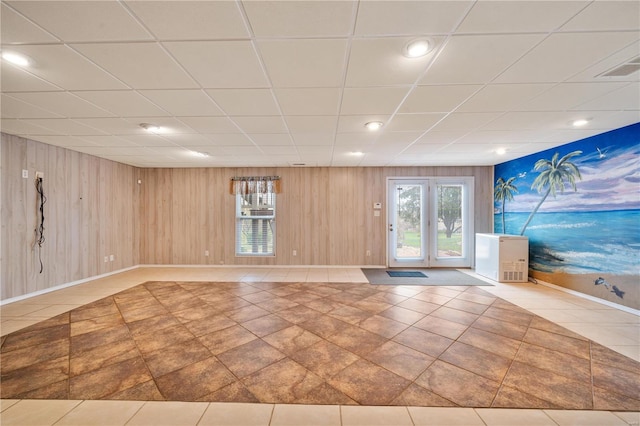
point(314, 343)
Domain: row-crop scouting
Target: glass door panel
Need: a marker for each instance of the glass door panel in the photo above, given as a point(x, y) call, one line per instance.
point(407, 226)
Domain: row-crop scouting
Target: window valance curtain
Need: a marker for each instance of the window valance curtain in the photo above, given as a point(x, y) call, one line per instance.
point(255, 185)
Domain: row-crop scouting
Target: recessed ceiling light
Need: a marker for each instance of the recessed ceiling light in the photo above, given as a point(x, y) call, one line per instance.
point(199, 154)
point(16, 59)
point(357, 153)
point(579, 123)
point(501, 151)
point(373, 125)
point(417, 48)
point(152, 128)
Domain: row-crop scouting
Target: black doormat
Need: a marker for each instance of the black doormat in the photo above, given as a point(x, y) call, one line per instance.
point(406, 274)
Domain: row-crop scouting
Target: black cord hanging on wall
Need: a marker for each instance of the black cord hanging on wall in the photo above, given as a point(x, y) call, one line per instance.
point(40, 228)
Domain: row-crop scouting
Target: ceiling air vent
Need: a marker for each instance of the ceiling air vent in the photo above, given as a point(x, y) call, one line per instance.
point(624, 70)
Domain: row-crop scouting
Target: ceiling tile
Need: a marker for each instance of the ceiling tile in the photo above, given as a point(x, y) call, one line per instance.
point(360, 139)
point(183, 103)
point(83, 20)
point(409, 17)
point(220, 64)
point(304, 63)
point(63, 104)
point(64, 126)
point(465, 121)
point(519, 16)
point(122, 102)
point(191, 20)
point(380, 62)
point(626, 97)
point(269, 139)
point(444, 98)
point(245, 101)
point(107, 140)
point(410, 122)
point(113, 126)
point(309, 101)
point(312, 139)
point(441, 138)
point(16, 79)
point(356, 123)
point(560, 56)
point(300, 18)
point(210, 124)
point(131, 62)
point(622, 56)
point(66, 141)
point(373, 100)
point(168, 125)
point(605, 16)
point(15, 126)
point(14, 107)
point(502, 97)
point(569, 95)
point(312, 124)
point(263, 124)
point(14, 28)
point(478, 59)
point(62, 66)
point(235, 139)
point(527, 121)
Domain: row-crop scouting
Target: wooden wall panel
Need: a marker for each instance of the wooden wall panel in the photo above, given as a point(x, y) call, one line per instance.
point(324, 214)
point(91, 212)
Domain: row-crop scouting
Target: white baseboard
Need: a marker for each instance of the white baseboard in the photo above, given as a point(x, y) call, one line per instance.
point(265, 266)
point(61, 286)
point(589, 297)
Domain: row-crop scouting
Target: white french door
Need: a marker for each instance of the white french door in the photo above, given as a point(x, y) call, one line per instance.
point(430, 222)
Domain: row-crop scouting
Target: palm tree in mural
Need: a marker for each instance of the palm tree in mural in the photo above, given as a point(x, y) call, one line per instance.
point(502, 193)
point(553, 174)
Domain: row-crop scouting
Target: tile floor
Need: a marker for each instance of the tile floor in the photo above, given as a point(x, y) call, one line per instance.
point(304, 336)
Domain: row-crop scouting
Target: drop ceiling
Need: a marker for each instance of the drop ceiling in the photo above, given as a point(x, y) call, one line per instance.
point(266, 84)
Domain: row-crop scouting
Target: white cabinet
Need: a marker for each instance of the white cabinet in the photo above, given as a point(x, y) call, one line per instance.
point(503, 258)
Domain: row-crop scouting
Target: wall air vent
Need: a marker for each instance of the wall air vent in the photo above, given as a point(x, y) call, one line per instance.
point(623, 70)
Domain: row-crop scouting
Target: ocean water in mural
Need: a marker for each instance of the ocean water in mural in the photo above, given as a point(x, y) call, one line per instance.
point(586, 235)
point(580, 243)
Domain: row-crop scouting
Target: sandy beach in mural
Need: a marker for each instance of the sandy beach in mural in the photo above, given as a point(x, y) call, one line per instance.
point(585, 283)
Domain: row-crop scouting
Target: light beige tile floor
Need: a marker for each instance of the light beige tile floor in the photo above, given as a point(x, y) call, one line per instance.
point(616, 329)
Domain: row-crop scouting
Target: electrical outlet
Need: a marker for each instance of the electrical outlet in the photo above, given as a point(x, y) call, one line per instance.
point(25, 174)
point(112, 258)
point(206, 253)
point(368, 253)
point(39, 175)
point(106, 259)
point(295, 252)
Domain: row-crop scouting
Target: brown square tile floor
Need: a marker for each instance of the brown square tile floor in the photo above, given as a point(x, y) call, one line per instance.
point(315, 343)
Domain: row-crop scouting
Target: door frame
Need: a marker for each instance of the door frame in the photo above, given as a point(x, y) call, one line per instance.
point(430, 227)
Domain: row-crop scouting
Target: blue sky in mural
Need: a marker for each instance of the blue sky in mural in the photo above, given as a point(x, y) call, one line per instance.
point(610, 169)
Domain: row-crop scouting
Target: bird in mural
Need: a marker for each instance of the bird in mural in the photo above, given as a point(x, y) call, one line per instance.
point(601, 281)
point(601, 154)
point(521, 175)
point(618, 292)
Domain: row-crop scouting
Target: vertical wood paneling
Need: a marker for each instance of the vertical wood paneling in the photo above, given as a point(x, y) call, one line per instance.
point(325, 214)
point(89, 213)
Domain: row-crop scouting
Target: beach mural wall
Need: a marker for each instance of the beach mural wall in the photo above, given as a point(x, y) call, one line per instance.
point(579, 204)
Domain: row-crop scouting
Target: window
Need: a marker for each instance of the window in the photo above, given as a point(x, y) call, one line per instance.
point(255, 224)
